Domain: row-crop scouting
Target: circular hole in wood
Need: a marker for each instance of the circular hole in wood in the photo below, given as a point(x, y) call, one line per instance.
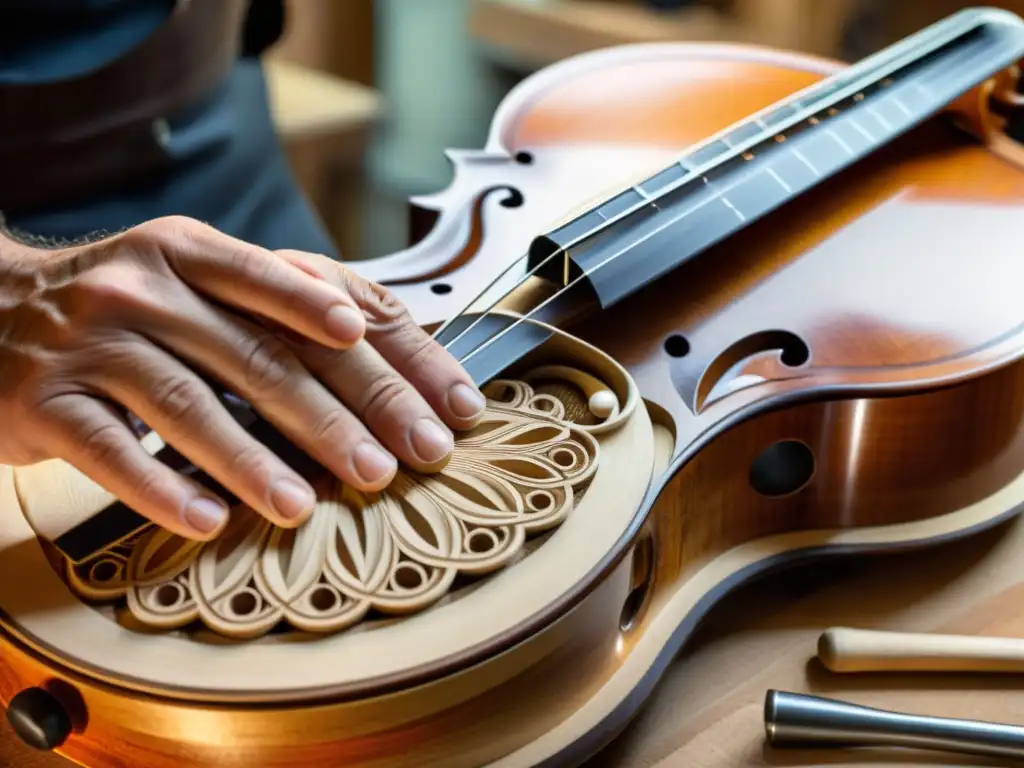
point(104, 570)
point(440, 288)
point(168, 595)
point(243, 604)
point(323, 598)
point(564, 458)
point(782, 468)
point(677, 346)
point(407, 576)
point(481, 541)
point(538, 501)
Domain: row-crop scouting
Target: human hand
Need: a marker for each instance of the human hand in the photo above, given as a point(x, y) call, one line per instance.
point(140, 318)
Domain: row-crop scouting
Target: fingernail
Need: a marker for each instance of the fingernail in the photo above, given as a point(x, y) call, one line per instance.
point(430, 441)
point(290, 499)
point(205, 515)
point(465, 401)
point(372, 464)
point(345, 323)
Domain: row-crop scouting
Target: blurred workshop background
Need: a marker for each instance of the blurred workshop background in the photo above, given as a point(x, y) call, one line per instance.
point(368, 93)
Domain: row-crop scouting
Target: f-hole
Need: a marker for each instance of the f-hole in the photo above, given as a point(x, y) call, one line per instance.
point(793, 352)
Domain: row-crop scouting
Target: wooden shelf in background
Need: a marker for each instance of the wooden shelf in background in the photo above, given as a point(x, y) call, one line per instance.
point(530, 34)
point(534, 34)
point(307, 103)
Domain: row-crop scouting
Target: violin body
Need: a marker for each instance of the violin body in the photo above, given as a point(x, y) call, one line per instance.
point(842, 376)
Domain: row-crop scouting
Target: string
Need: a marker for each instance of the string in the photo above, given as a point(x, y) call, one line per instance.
point(873, 65)
point(448, 323)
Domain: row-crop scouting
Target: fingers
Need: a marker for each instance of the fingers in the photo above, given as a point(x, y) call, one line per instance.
point(253, 279)
point(407, 348)
point(256, 365)
point(93, 439)
point(388, 404)
point(184, 411)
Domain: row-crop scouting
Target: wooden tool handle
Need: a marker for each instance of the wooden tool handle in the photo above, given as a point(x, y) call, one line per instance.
point(842, 649)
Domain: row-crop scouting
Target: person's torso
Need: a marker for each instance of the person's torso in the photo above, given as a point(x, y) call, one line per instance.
point(56, 39)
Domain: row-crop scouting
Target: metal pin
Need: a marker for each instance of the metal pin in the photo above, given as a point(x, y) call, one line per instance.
point(799, 720)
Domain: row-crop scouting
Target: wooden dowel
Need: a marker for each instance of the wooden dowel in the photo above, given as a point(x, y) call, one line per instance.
point(842, 649)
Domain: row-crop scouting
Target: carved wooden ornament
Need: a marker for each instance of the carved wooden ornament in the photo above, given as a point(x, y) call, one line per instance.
point(517, 474)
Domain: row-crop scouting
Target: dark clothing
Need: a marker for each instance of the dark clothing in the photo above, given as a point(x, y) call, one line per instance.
point(226, 166)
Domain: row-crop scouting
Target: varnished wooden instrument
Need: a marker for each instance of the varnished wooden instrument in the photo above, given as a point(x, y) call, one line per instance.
point(795, 332)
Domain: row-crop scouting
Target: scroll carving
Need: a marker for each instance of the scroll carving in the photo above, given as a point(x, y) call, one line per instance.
point(518, 474)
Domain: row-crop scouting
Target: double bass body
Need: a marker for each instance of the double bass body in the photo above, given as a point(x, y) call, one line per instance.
point(844, 375)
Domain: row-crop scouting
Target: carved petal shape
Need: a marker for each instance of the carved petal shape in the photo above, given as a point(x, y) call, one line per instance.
point(395, 552)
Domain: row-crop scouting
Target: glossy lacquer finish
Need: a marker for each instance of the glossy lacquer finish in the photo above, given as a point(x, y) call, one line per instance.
point(843, 376)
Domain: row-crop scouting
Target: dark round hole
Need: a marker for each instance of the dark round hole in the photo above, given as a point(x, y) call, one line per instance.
point(564, 458)
point(105, 570)
point(441, 288)
point(407, 577)
point(244, 603)
point(524, 157)
point(168, 595)
point(795, 353)
point(782, 468)
point(323, 599)
point(480, 542)
point(677, 346)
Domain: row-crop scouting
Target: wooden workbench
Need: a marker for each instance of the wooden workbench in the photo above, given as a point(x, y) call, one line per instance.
point(707, 712)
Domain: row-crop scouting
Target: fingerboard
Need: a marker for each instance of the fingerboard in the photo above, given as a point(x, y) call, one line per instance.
point(676, 214)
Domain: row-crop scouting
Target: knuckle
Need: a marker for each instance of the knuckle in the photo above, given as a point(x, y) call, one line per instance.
point(333, 428)
point(163, 240)
point(164, 233)
point(168, 228)
point(104, 444)
point(251, 267)
point(250, 462)
point(382, 308)
point(151, 485)
point(180, 399)
point(424, 351)
point(269, 365)
point(383, 394)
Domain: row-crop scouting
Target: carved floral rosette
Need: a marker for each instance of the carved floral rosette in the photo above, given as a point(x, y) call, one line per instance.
point(517, 474)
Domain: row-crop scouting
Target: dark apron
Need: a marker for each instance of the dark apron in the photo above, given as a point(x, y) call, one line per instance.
point(178, 125)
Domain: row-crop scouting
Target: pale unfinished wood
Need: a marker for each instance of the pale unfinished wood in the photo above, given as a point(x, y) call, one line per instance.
point(517, 474)
point(849, 649)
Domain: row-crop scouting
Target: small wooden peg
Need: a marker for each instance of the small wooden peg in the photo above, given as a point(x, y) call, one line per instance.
point(843, 649)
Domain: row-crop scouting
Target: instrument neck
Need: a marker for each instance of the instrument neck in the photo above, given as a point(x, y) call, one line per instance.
point(740, 175)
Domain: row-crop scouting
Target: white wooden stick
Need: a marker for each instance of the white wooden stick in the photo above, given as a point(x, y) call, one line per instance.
point(842, 649)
